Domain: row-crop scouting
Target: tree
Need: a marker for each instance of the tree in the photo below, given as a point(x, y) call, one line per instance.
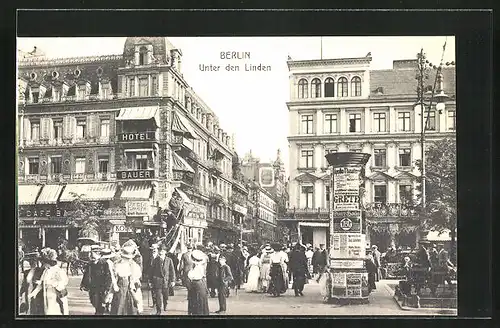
point(87, 216)
point(440, 213)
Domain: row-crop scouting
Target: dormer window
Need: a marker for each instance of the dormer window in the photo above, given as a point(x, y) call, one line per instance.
point(143, 56)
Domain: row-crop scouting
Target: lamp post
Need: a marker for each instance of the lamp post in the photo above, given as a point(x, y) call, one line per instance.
point(422, 74)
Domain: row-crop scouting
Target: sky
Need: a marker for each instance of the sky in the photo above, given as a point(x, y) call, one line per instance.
point(252, 105)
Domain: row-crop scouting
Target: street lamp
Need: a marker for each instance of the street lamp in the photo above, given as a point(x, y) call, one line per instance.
point(440, 98)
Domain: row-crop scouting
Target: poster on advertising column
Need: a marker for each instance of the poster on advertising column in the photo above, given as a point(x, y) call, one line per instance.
point(349, 245)
point(346, 188)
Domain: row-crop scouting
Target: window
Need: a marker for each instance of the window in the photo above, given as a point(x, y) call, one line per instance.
point(329, 87)
point(81, 129)
point(33, 165)
point(356, 86)
point(452, 120)
point(405, 157)
point(405, 193)
point(81, 93)
point(404, 121)
point(354, 122)
point(379, 122)
point(105, 92)
point(35, 130)
point(307, 124)
point(58, 130)
point(143, 52)
point(316, 88)
point(141, 161)
point(105, 127)
point(79, 165)
point(380, 193)
point(143, 87)
point(35, 96)
point(342, 87)
point(380, 157)
point(430, 120)
point(330, 123)
point(103, 163)
point(56, 165)
point(131, 86)
point(57, 94)
point(307, 191)
point(327, 193)
point(307, 158)
point(303, 88)
point(154, 85)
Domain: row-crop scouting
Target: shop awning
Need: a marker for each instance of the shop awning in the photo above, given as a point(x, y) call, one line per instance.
point(139, 113)
point(140, 190)
point(180, 164)
point(314, 224)
point(89, 191)
point(181, 125)
point(184, 197)
point(26, 194)
point(50, 194)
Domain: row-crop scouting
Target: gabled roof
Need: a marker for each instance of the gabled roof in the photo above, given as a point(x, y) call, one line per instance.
point(380, 176)
point(405, 175)
point(306, 177)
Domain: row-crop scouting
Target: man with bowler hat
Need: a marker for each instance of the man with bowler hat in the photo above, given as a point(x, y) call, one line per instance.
point(162, 277)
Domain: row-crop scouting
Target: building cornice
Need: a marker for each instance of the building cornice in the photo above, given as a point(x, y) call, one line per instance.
point(363, 138)
point(362, 102)
point(327, 62)
point(49, 62)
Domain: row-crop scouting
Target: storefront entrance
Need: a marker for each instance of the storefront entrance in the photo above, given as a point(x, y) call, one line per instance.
point(31, 238)
point(53, 236)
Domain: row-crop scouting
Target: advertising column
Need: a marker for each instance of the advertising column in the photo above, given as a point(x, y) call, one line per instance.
point(347, 244)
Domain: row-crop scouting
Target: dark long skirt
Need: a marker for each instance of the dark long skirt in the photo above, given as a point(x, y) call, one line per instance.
point(198, 298)
point(371, 281)
point(123, 301)
point(277, 285)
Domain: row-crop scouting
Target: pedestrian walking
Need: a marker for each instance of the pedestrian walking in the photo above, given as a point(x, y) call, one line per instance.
point(175, 262)
point(309, 256)
point(128, 280)
point(97, 280)
point(265, 267)
point(31, 280)
point(224, 280)
point(376, 259)
point(371, 268)
point(162, 277)
point(212, 271)
point(253, 281)
point(154, 255)
point(185, 265)
point(53, 283)
point(197, 287)
point(277, 282)
point(299, 269)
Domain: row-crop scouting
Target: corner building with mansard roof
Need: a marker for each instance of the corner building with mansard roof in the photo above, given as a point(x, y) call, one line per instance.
point(339, 105)
point(126, 131)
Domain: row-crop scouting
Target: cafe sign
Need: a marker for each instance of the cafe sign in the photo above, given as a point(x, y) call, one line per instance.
point(137, 208)
point(42, 212)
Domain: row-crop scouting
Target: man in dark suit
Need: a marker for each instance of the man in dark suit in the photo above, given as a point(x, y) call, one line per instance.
point(162, 276)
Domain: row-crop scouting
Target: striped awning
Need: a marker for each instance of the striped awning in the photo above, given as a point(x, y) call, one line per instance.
point(180, 164)
point(184, 197)
point(89, 191)
point(141, 190)
point(139, 113)
point(26, 194)
point(181, 125)
point(49, 194)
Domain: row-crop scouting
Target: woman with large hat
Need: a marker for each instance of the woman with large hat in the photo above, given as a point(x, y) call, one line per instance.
point(265, 267)
point(127, 274)
point(52, 286)
point(197, 287)
point(31, 280)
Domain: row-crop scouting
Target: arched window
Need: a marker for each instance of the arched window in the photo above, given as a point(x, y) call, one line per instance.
point(303, 88)
point(329, 87)
point(356, 86)
point(342, 87)
point(316, 88)
point(143, 52)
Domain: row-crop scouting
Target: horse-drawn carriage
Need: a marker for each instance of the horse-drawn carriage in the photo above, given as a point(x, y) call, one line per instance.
point(77, 259)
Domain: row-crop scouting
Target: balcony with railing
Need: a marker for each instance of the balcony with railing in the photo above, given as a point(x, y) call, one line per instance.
point(60, 142)
point(388, 210)
point(186, 178)
point(215, 167)
point(215, 198)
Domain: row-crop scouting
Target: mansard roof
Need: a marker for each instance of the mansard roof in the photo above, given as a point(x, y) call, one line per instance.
point(160, 49)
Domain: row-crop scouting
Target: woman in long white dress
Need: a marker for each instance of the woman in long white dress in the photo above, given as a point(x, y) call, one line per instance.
point(265, 267)
point(253, 279)
point(53, 286)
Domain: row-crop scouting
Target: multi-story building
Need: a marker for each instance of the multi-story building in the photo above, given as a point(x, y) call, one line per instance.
point(264, 213)
point(343, 105)
point(122, 130)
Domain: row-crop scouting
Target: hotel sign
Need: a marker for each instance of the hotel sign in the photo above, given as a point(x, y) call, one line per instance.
point(135, 174)
point(137, 136)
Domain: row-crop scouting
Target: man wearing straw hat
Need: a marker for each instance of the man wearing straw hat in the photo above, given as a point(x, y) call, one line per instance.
point(97, 280)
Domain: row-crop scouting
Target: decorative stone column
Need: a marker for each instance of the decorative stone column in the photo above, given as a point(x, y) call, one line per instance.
point(347, 241)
